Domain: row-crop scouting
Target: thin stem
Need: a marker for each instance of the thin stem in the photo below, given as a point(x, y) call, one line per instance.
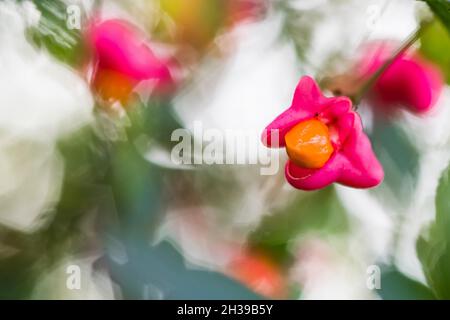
point(373, 78)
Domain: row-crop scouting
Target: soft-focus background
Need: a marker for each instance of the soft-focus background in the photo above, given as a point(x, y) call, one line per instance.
point(91, 185)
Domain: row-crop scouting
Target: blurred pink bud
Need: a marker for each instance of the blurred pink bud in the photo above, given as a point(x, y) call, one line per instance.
point(123, 58)
point(352, 162)
point(410, 81)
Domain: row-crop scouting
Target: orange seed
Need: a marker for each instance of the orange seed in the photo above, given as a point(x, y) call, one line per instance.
point(308, 144)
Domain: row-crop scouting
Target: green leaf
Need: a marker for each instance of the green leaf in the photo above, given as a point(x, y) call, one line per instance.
point(400, 160)
point(397, 286)
point(17, 276)
point(160, 271)
point(319, 211)
point(433, 246)
point(155, 118)
point(137, 188)
point(441, 8)
point(435, 46)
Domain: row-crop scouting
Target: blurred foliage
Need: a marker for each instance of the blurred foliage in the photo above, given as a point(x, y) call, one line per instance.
point(53, 34)
point(397, 286)
point(435, 45)
point(318, 212)
point(433, 246)
point(160, 272)
point(399, 157)
point(441, 8)
point(153, 271)
point(155, 119)
point(63, 232)
point(109, 181)
point(18, 270)
point(298, 26)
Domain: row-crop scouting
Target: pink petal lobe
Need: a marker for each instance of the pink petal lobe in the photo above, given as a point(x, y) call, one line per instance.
point(308, 96)
point(335, 108)
point(273, 135)
point(361, 168)
point(313, 179)
point(308, 101)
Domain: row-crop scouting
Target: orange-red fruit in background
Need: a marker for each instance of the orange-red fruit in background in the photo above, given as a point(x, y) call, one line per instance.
point(260, 274)
point(308, 144)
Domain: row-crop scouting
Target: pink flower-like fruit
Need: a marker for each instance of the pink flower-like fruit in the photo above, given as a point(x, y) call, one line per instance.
point(410, 81)
point(123, 58)
point(324, 141)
